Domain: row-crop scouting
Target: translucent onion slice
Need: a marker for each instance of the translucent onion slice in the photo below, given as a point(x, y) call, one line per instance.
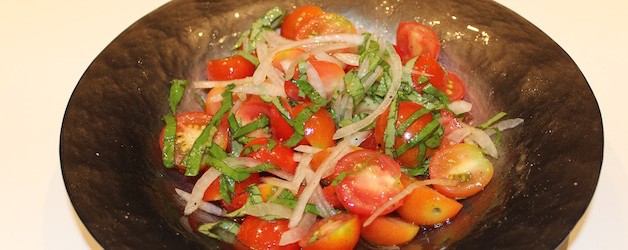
point(268, 88)
point(315, 80)
point(482, 139)
point(307, 149)
point(203, 205)
point(395, 70)
point(213, 84)
point(348, 58)
point(266, 209)
point(460, 107)
point(406, 192)
point(504, 125)
point(322, 56)
point(196, 197)
point(297, 233)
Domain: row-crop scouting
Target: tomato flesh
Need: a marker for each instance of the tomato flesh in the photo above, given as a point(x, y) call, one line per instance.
point(279, 155)
point(229, 68)
point(325, 24)
point(428, 67)
point(415, 39)
point(340, 231)
point(426, 206)
point(463, 162)
point(454, 87)
point(319, 128)
point(258, 233)
point(296, 18)
point(212, 193)
point(370, 180)
point(389, 231)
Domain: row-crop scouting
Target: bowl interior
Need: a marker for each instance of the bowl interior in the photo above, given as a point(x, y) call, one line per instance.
point(544, 177)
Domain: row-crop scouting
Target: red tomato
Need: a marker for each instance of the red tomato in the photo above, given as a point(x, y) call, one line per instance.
point(430, 68)
point(426, 206)
point(389, 231)
point(331, 75)
point(406, 109)
point(415, 39)
point(463, 162)
point(319, 128)
point(370, 143)
point(258, 233)
point(338, 232)
point(296, 18)
point(189, 127)
point(371, 179)
point(229, 68)
point(212, 193)
point(280, 155)
point(251, 110)
point(451, 124)
point(328, 23)
point(332, 198)
point(279, 127)
point(454, 88)
point(237, 202)
point(212, 107)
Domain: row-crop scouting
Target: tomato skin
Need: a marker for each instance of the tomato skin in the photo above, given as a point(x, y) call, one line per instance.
point(319, 128)
point(371, 179)
point(426, 206)
point(260, 234)
point(331, 75)
point(212, 193)
point(279, 127)
point(389, 231)
point(338, 232)
point(429, 67)
point(458, 161)
point(213, 107)
point(229, 68)
point(325, 24)
point(250, 110)
point(415, 39)
point(280, 155)
point(405, 109)
point(296, 18)
point(330, 195)
point(454, 87)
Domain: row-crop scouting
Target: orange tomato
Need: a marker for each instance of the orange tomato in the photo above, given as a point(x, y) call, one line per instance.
point(337, 232)
point(388, 231)
point(426, 206)
point(296, 18)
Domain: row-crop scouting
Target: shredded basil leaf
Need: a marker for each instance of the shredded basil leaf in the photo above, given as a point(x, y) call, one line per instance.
point(193, 158)
point(227, 187)
point(420, 170)
point(224, 230)
point(170, 133)
point(299, 124)
point(270, 21)
point(177, 88)
point(419, 137)
point(492, 121)
point(411, 119)
point(390, 130)
point(354, 86)
point(442, 97)
point(226, 169)
point(249, 57)
point(259, 123)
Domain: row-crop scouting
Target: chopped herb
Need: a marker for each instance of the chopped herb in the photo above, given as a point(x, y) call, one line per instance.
point(270, 145)
point(311, 93)
point(419, 137)
point(390, 130)
point(249, 57)
point(420, 170)
point(170, 132)
point(193, 159)
point(227, 170)
point(339, 178)
point(442, 97)
point(227, 187)
point(299, 124)
point(354, 86)
point(270, 21)
point(224, 230)
point(411, 119)
point(261, 122)
point(177, 88)
point(492, 121)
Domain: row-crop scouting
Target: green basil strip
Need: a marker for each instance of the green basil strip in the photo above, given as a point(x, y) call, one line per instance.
point(225, 105)
point(424, 133)
point(194, 157)
point(227, 187)
point(440, 95)
point(436, 138)
point(255, 195)
point(491, 121)
point(421, 154)
point(270, 21)
point(389, 131)
point(224, 230)
point(311, 92)
point(261, 122)
point(226, 169)
point(354, 86)
point(282, 110)
point(420, 170)
point(310, 208)
point(177, 88)
point(259, 168)
point(217, 152)
point(338, 179)
point(249, 57)
point(251, 149)
point(270, 145)
point(299, 124)
point(170, 133)
point(411, 119)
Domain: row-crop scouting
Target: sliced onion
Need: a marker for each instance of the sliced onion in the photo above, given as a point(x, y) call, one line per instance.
point(460, 107)
point(213, 84)
point(395, 70)
point(307, 149)
point(265, 209)
point(406, 192)
point(299, 232)
point(348, 58)
point(268, 89)
point(281, 174)
point(324, 208)
point(196, 197)
point(241, 161)
point(279, 183)
point(297, 157)
point(315, 80)
point(207, 207)
point(377, 73)
point(483, 140)
point(324, 57)
point(459, 134)
point(504, 125)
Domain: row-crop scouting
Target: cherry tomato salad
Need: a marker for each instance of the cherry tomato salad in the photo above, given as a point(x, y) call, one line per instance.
point(315, 135)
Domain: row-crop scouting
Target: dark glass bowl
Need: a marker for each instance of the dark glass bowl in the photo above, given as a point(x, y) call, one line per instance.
point(544, 179)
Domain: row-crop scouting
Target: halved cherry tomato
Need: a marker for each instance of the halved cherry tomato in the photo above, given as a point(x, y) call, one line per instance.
point(406, 109)
point(212, 193)
point(454, 88)
point(237, 202)
point(463, 162)
point(250, 110)
point(388, 231)
point(430, 68)
point(258, 233)
point(211, 107)
point(229, 68)
point(331, 75)
point(415, 39)
point(279, 155)
point(370, 180)
point(319, 128)
point(279, 127)
point(332, 198)
point(189, 127)
point(296, 18)
point(426, 206)
point(451, 124)
point(338, 232)
point(328, 23)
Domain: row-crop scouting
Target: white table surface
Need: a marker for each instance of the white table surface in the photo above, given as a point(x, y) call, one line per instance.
point(47, 45)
